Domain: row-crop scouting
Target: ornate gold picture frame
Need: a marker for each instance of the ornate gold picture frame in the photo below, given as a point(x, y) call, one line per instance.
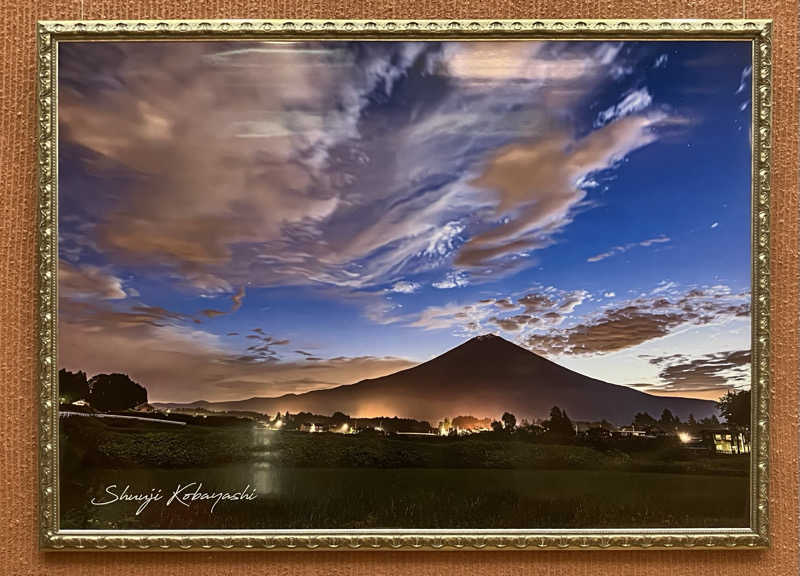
point(754, 302)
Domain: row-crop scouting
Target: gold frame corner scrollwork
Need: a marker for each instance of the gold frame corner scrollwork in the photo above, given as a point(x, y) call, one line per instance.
point(50, 33)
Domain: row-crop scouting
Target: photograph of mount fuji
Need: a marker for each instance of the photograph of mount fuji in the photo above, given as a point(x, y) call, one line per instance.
point(404, 284)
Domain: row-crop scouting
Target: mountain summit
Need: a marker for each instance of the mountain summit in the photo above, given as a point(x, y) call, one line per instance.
point(485, 376)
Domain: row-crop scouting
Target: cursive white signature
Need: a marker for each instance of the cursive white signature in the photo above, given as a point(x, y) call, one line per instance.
point(183, 494)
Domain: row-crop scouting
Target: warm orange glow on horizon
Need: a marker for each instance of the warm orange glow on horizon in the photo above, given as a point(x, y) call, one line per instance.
point(713, 395)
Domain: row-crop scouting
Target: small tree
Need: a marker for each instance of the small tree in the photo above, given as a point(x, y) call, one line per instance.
point(509, 421)
point(692, 421)
point(497, 426)
point(72, 386)
point(109, 392)
point(735, 408)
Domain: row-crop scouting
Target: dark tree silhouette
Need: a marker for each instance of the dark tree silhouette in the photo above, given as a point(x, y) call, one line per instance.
point(559, 424)
point(735, 407)
point(692, 421)
point(109, 392)
point(555, 414)
point(509, 421)
point(497, 426)
point(72, 386)
point(339, 418)
point(644, 420)
point(668, 419)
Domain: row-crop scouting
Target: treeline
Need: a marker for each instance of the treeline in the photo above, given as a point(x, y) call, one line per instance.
point(389, 425)
point(734, 407)
point(103, 392)
point(558, 427)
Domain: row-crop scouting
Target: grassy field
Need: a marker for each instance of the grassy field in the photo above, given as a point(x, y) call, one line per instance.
point(131, 444)
point(338, 481)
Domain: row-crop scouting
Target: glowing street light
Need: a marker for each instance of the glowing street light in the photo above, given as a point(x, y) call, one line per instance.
point(684, 437)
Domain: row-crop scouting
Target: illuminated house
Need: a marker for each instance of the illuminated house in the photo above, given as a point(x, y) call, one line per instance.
point(632, 431)
point(727, 441)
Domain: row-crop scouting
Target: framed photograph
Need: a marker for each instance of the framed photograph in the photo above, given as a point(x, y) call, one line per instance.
point(400, 284)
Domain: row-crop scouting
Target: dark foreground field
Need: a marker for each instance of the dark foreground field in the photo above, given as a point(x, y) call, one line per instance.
point(337, 481)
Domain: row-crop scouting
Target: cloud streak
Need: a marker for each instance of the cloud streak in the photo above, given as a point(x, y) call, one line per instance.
point(88, 282)
point(634, 101)
point(616, 250)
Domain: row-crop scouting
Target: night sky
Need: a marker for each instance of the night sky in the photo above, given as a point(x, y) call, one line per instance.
point(243, 219)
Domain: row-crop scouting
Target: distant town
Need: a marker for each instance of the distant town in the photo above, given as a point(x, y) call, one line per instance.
point(116, 395)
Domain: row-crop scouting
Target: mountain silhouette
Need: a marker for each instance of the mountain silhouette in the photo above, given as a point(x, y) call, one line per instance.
point(484, 376)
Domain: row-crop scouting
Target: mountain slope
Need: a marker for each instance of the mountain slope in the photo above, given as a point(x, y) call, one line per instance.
point(485, 376)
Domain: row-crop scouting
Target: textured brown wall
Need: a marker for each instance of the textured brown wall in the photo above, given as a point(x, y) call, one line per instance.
point(18, 550)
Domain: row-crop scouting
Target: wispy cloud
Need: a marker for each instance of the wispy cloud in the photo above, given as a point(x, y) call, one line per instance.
point(88, 282)
point(661, 61)
point(405, 287)
point(236, 303)
point(616, 250)
point(512, 314)
point(633, 102)
point(464, 318)
point(743, 81)
point(452, 280)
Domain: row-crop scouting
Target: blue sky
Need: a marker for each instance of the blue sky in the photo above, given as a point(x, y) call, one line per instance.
point(241, 219)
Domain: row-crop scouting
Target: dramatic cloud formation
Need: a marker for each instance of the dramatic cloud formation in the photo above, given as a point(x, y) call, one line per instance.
point(710, 373)
point(536, 185)
point(628, 324)
point(291, 178)
point(247, 218)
